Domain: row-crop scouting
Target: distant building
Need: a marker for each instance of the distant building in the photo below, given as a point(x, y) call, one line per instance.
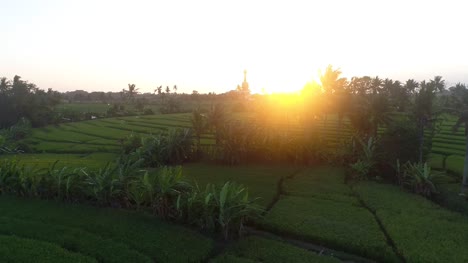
point(245, 85)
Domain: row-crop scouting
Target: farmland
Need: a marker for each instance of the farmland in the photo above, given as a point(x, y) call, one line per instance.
point(312, 205)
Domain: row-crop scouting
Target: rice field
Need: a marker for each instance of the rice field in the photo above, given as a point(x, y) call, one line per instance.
point(101, 135)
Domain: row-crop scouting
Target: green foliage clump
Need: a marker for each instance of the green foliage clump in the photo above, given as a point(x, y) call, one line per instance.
point(257, 249)
point(399, 141)
point(224, 209)
point(173, 148)
point(15, 249)
point(418, 178)
point(165, 192)
point(131, 143)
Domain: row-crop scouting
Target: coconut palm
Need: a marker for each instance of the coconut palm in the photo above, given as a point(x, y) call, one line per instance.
point(198, 125)
point(423, 110)
point(216, 120)
point(411, 85)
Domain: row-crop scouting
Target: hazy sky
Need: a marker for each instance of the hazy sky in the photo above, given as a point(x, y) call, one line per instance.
point(206, 45)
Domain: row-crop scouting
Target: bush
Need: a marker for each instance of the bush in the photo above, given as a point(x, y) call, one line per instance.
point(131, 143)
point(173, 148)
point(224, 209)
point(19, 131)
point(148, 111)
point(418, 178)
point(399, 141)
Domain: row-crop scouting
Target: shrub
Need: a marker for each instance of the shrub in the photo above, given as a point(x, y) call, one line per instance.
point(224, 209)
point(160, 190)
point(20, 130)
point(418, 178)
point(173, 148)
point(131, 143)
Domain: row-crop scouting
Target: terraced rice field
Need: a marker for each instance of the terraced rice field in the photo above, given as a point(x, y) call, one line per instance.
point(103, 135)
point(50, 230)
point(317, 206)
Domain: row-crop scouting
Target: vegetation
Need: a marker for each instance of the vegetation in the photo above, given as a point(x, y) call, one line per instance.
point(256, 249)
point(319, 207)
point(409, 220)
point(138, 236)
point(279, 148)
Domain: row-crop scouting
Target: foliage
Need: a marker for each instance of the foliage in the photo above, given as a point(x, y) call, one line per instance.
point(175, 147)
point(160, 190)
point(21, 99)
point(366, 163)
point(399, 141)
point(131, 143)
point(257, 249)
point(262, 180)
point(418, 178)
point(225, 209)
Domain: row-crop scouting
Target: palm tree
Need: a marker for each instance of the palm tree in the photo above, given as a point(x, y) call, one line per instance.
point(332, 85)
point(379, 110)
point(158, 90)
point(175, 88)
point(423, 110)
point(131, 92)
point(438, 83)
point(463, 119)
point(4, 85)
point(376, 85)
point(168, 90)
point(411, 85)
point(216, 120)
point(198, 125)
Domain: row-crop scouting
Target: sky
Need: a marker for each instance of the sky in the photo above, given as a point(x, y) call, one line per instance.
point(100, 45)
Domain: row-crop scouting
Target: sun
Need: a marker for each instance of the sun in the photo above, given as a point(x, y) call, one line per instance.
point(287, 81)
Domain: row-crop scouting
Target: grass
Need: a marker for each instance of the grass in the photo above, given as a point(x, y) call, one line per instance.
point(436, 161)
point(155, 239)
point(72, 239)
point(319, 207)
point(421, 230)
point(91, 161)
point(261, 180)
point(454, 165)
point(15, 249)
point(256, 249)
point(84, 107)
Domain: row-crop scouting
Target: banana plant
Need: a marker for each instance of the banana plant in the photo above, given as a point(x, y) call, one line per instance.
point(419, 178)
point(103, 185)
